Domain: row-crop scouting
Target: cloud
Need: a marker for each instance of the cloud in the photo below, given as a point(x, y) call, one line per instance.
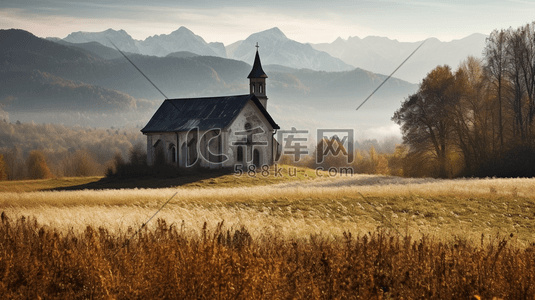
point(314, 21)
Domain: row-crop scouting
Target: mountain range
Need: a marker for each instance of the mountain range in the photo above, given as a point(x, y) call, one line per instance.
point(376, 54)
point(383, 55)
point(82, 80)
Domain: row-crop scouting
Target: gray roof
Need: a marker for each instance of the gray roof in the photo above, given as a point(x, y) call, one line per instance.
point(204, 113)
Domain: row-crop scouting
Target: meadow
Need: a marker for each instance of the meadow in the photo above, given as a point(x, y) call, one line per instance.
point(317, 237)
point(325, 205)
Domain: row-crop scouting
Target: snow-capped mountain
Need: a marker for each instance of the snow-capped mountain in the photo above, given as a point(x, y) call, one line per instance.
point(119, 37)
point(181, 39)
point(277, 49)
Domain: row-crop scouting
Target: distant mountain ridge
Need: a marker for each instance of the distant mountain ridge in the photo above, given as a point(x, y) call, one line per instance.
point(181, 39)
point(276, 47)
point(376, 54)
point(383, 55)
point(119, 37)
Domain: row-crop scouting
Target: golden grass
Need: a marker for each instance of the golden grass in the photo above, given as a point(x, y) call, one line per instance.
point(328, 206)
point(411, 238)
point(168, 262)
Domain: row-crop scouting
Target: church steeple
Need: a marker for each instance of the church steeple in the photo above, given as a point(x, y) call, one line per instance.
point(257, 80)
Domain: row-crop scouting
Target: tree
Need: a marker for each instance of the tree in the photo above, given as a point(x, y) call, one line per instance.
point(84, 164)
point(496, 60)
point(425, 117)
point(515, 50)
point(37, 167)
point(3, 168)
point(15, 163)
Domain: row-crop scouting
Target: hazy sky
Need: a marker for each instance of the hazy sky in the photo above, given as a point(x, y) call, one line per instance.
point(314, 21)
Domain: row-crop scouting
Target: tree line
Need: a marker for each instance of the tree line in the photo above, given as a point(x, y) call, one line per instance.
point(477, 120)
point(36, 151)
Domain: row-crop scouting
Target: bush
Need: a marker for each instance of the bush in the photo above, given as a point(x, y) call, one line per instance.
point(137, 166)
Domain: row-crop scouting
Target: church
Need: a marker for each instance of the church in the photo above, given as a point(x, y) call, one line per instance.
point(215, 132)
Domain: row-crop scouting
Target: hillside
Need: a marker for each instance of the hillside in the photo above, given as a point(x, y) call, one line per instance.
point(48, 77)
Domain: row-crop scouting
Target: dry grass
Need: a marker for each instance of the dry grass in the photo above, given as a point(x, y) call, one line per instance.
point(411, 238)
point(169, 262)
point(442, 208)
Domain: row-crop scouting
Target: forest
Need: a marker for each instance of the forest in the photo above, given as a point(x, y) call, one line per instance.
point(477, 120)
point(38, 151)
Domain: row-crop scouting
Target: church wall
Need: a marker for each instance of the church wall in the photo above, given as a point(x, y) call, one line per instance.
point(250, 115)
point(168, 140)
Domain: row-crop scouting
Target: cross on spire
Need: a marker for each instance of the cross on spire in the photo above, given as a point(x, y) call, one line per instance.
point(257, 46)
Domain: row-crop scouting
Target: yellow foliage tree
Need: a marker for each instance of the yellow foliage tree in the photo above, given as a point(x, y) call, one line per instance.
point(37, 167)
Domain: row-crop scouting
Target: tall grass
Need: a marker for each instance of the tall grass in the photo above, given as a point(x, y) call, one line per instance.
point(439, 208)
point(170, 262)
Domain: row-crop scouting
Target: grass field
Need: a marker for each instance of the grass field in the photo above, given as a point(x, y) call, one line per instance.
point(254, 237)
point(295, 207)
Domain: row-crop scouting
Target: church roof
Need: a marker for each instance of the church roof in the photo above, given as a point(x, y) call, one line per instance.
point(257, 71)
point(204, 113)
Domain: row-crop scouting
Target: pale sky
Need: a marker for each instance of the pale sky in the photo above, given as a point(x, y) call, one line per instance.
point(314, 21)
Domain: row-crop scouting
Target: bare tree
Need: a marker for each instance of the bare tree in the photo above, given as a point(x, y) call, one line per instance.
point(515, 68)
point(496, 60)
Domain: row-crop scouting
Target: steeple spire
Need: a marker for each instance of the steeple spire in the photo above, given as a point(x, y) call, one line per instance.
point(257, 80)
point(257, 71)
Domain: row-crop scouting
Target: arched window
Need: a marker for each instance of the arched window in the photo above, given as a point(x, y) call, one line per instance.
point(172, 154)
point(159, 153)
point(252, 88)
point(260, 88)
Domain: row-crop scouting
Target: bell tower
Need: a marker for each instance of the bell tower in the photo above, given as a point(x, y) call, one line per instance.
point(257, 80)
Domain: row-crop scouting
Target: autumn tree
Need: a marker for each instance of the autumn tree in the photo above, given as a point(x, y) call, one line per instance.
point(84, 164)
point(478, 120)
point(425, 120)
point(471, 115)
point(37, 167)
